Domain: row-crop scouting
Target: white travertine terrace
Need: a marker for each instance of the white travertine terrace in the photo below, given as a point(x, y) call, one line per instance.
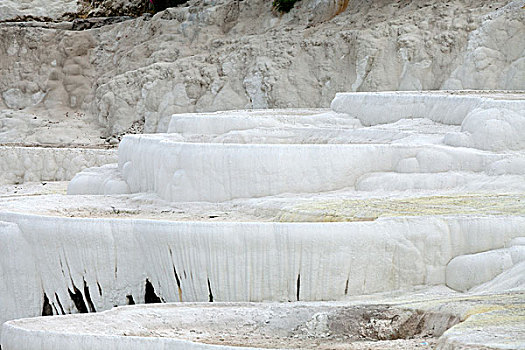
point(179, 171)
point(490, 122)
point(304, 164)
point(419, 197)
point(189, 261)
point(219, 157)
point(447, 108)
point(243, 326)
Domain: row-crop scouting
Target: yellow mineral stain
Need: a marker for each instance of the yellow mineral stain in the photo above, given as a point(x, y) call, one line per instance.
point(369, 209)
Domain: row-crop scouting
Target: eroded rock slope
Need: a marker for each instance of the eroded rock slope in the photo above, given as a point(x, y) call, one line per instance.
point(230, 54)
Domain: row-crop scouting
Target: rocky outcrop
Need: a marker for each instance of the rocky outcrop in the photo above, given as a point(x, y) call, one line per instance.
point(49, 10)
point(229, 54)
point(58, 10)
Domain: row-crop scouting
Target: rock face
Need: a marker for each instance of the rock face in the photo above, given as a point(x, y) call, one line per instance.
point(40, 9)
point(229, 54)
point(57, 10)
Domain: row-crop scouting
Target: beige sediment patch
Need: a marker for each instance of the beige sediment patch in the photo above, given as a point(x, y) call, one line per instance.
point(372, 208)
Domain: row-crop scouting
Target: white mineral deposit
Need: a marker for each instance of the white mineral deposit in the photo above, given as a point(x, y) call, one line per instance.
point(288, 174)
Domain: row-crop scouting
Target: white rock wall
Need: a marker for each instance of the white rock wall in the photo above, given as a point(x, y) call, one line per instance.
point(219, 172)
point(215, 172)
point(189, 261)
point(495, 54)
point(26, 164)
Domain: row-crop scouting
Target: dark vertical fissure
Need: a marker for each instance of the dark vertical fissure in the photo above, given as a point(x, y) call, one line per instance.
point(78, 300)
point(47, 310)
point(99, 289)
point(346, 287)
point(210, 296)
point(177, 279)
point(88, 298)
point(150, 297)
point(298, 286)
point(176, 276)
point(59, 304)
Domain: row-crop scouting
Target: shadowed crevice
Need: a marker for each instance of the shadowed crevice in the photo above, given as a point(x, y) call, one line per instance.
point(88, 298)
point(99, 289)
point(47, 310)
point(298, 286)
point(59, 304)
point(78, 300)
point(150, 297)
point(210, 296)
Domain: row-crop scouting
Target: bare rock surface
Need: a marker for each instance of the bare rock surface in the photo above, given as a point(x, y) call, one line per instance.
point(208, 56)
point(39, 9)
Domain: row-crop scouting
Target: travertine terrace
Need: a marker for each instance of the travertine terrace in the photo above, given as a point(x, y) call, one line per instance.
point(244, 173)
point(213, 211)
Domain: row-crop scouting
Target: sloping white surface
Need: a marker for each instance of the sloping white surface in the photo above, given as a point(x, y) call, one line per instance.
point(448, 108)
point(467, 271)
point(102, 180)
point(511, 280)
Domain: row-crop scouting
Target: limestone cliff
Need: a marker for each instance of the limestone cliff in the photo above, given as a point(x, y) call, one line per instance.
point(229, 54)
